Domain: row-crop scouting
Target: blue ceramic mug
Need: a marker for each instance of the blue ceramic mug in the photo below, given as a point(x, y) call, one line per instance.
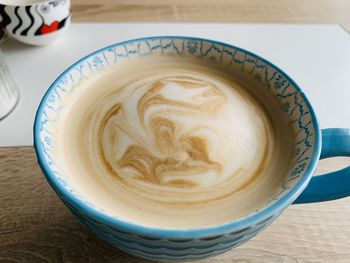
point(191, 244)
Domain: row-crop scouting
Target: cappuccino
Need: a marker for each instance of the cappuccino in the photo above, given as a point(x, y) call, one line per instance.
point(173, 142)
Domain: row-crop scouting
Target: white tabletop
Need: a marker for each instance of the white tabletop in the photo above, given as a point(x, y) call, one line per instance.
point(317, 57)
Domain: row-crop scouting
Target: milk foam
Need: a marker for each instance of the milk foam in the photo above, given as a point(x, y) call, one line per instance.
point(171, 141)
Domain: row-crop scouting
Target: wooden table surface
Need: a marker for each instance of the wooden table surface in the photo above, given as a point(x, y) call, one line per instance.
point(36, 227)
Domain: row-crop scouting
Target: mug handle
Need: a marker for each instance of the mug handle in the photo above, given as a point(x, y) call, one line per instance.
point(334, 185)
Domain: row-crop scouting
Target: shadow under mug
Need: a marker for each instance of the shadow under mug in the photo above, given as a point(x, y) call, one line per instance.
point(35, 22)
point(197, 243)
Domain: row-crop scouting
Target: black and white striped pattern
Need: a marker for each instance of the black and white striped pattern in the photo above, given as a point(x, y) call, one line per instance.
point(25, 19)
point(28, 20)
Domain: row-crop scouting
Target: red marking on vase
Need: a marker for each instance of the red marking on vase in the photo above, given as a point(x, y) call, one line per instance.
point(45, 29)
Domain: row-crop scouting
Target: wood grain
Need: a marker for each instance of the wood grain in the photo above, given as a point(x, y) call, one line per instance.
point(241, 11)
point(36, 227)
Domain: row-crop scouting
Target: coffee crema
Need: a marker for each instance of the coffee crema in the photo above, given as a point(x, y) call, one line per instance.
point(173, 143)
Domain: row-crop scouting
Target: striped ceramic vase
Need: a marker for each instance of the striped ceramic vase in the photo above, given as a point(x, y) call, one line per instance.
point(37, 23)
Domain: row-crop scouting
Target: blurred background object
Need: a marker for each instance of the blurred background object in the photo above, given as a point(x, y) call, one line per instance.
point(3, 35)
point(224, 11)
point(9, 93)
point(35, 22)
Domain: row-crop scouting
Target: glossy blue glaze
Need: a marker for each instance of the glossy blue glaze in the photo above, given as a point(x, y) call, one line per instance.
point(335, 142)
point(172, 244)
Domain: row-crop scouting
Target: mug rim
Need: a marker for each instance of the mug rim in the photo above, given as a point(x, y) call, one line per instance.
point(244, 222)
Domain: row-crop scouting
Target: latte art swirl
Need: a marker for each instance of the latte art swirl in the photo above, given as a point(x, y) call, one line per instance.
point(165, 151)
point(171, 142)
point(180, 137)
